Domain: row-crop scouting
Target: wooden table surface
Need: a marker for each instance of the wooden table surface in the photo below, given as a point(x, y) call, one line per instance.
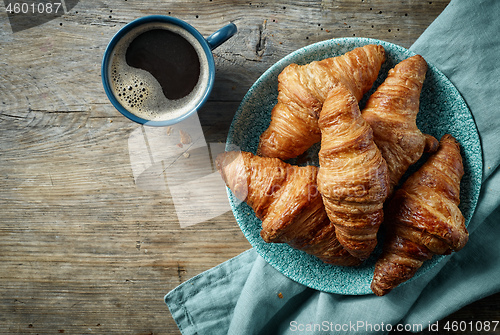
point(89, 242)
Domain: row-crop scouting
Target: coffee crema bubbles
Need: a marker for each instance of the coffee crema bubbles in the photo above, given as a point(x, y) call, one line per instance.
point(135, 81)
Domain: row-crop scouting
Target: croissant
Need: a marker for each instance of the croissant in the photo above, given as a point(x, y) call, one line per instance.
point(352, 177)
point(423, 218)
point(286, 199)
point(392, 112)
point(302, 91)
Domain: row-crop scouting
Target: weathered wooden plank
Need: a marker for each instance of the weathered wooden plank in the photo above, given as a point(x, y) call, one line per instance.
point(83, 247)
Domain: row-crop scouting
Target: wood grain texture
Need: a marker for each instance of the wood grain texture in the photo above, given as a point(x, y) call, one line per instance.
point(83, 249)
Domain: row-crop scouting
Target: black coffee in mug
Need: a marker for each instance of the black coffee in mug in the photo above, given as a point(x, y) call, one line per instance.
point(169, 57)
point(159, 71)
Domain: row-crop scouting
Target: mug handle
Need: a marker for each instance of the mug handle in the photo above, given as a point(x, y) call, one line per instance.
point(221, 35)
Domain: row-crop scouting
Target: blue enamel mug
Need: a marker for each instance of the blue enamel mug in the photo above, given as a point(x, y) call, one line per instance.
point(158, 70)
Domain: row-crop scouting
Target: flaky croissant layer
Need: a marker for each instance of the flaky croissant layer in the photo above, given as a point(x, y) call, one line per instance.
point(392, 112)
point(352, 177)
point(286, 199)
point(423, 218)
point(302, 89)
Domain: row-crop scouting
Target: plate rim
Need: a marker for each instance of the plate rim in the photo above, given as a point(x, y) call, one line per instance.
point(290, 58)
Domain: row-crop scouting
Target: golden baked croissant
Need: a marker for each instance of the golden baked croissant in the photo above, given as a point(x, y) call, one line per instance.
point(286, 199)
point(352, 177)
point(392, 112)
point(423, 218)
point(301, 92)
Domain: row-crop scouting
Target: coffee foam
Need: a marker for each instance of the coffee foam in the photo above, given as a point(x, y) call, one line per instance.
point(140, 93)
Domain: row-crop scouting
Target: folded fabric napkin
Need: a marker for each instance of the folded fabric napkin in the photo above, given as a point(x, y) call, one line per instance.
point(245, 295)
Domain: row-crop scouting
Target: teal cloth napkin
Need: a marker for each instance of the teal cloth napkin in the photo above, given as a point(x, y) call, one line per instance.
point(245, 295)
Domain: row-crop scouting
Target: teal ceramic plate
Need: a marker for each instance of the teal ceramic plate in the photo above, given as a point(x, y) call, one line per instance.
point(442, 110)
